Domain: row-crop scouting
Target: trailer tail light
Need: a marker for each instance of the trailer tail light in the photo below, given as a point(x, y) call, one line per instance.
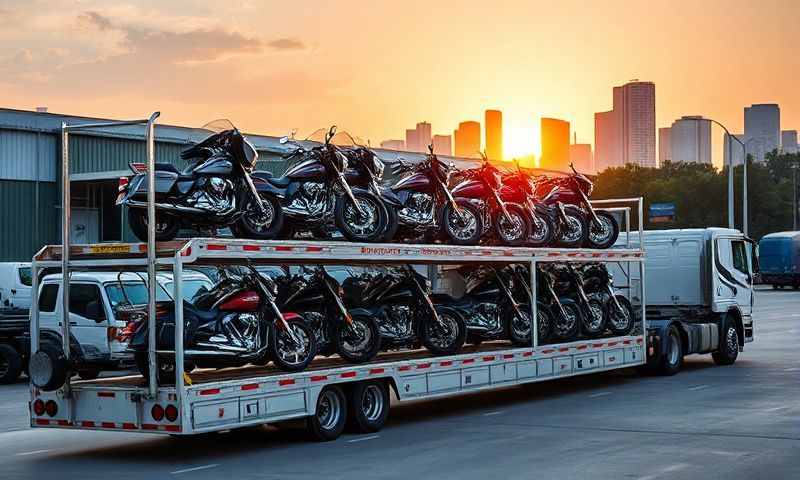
point(171, 413)
point(157, 412)
point(51, 408)
point(138, 167)
point(38, 407)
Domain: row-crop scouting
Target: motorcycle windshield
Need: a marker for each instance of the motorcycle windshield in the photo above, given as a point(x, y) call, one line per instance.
point(244, 151)
point(198, 135)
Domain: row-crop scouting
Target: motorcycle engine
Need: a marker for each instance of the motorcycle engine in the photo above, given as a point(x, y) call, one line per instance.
point(215, 196)
point(487, 316)
point(418, 209)
point(399, 322)
point(310, 202)
point(240, 332)
point(316, 321)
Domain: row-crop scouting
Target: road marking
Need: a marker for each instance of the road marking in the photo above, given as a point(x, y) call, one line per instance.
point(489, 414)
point(599, 394)
point(34, 452)
point(363, 439)
point(791, 369)
point(698, 387)
point(194, 469)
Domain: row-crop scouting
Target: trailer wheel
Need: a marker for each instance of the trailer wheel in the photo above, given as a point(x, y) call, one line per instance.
point(368, 407)
point(672, 359)
point(330, 417)
point(728, 345)
point(10, 364)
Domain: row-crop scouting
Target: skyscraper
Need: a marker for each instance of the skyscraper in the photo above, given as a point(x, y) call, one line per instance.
point(555, 144)
point(664, 145)
point(690, 138)
point(442, 145)
point(580, 155)
point(399, 145)
point(628, 132)
point(789, 141)
point(494, 134)
point(412, 140)
point(762, 129)
point(732, 146)
point(423, 136)
point(468, 139)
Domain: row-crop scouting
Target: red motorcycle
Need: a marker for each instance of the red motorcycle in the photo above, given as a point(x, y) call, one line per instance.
point(520, 188)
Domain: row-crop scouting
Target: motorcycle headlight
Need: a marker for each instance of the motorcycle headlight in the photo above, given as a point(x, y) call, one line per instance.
point(377, 167)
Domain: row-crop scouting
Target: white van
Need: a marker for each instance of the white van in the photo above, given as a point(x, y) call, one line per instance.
point(100, 333)
point(15, 285)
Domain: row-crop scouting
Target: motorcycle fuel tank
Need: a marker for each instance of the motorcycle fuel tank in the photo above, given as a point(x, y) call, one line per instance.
point(470, 189)
point(242, 302)
point(418, 181)
point(214, 166)
point(306, 169)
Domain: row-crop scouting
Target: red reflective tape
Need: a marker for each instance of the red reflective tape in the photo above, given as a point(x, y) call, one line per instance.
point(129, 426)
point(87, 424)
point(63, 423)
point(283, 248)
point(210, 391)
point(376, 371)
point(172, 428)
point(106, 394)
point(468, 360)
point(348, 375)
point(214, 246)
point(108, 425)
point(251, 248)
point(313, 249)
point(319, 378)
point(638, 340)
point(446, 363)
point(597, 345)
point(626, 342)
point(582, 347)
point(527, 354)
point(488, 358)
point(149, 426)
point(286, 381)
point(423, 366)
point(549, 350)
point(404, 368)
point(563, 349)
point(250, 386)
point(508, 355)
point(42, 421)
point(611, 344)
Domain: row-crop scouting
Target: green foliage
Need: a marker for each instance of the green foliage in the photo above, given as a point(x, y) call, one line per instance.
point(700, 192)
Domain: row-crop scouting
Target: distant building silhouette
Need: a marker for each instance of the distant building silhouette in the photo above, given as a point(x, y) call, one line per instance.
point(789, 141)
point(399, 145)
point(607, 151)
point(732, 146)
point(442, 145)
point(555, 144)
point(580, 155)
point(690, 139)
point(423, 136)
point(762, 129)
point(493, 122)
point(628, 132)
point(467, 139)
point(664, 145)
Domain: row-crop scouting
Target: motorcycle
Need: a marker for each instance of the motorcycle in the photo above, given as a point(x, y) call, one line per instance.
point(235, 323)
point(316, 295)
point(481, 188)
point(599, 284)
point(522, 292)
point(519, 188)
point(398, 298)
point(565, 313)
point(600, 228)
point(215, 190)
point(314, 193)
point(489, 308)
point(427, 202)
point(570, 283)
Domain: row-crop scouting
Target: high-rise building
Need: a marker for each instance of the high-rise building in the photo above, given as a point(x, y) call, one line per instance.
point(442, 145)
point(494, 134)
point(580, 155)
point(762, 129)
point(423, 136)
point(412, 140)
point(399, 145)
point(664, 145)
point(690, 138)
point(468, 139)
point(555, 144)
point(789, 141)
point(732, 146)
point(633, 135)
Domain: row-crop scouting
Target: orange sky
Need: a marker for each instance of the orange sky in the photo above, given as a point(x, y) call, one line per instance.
point(378, 67)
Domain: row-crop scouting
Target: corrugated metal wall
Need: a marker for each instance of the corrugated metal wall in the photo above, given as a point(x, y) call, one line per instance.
point(24, 228)
point(93, 154)
point(25, 154)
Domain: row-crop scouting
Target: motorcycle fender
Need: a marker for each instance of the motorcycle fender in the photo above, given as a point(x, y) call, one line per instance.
point(293, 317)
point(262, 186)
point(361, 312)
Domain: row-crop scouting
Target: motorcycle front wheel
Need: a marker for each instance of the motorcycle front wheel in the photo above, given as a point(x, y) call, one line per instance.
point(445, 337)
point(573, 232)
point(465, 226)
point(605, 234)
point(565, 326)
point(542, 232)
point(288, 355)
point(369, 225)
point(620, 322)
point(259, 225)
point(392, 224)
point(359, 341)
point(167, 226)
point(514, 232)
point(594, 323)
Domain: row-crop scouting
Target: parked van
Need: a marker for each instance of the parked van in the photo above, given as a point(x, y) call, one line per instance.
point(15, 285)
point(99, 326)
point(779, 259)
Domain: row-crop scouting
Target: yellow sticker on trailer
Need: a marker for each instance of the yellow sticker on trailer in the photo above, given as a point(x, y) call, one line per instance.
point(110, 248)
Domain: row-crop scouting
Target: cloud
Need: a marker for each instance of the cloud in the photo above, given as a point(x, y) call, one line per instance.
point(94, 20)
point(287, 44)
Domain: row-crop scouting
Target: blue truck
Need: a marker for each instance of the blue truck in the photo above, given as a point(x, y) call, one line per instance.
point(779, 259)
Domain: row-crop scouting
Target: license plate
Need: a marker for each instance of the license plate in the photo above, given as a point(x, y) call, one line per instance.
point(109, 249)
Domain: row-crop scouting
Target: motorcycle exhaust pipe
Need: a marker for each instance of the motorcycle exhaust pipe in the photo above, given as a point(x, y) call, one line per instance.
point(166, 206)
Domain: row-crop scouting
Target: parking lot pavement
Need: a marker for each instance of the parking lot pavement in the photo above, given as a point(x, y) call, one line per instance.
point(709, 422)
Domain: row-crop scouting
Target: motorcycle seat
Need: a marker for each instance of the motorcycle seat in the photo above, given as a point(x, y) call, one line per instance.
point(280, 182)
point(166, 167)
point(202, 315)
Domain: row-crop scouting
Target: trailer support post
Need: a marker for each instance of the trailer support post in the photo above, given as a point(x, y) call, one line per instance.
point(151, 257)
point(177, 273)
point(534, 308)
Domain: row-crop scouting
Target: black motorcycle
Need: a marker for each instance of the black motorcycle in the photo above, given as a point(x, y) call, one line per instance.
point(565, 313)
point(599, 284)
point(215, 190)
point(398, 298)
point(235, 323)
point(314, 193)
point(316, 295)
point(570, 283)
point(519, 280)
point(489, 308)
point(428, 207)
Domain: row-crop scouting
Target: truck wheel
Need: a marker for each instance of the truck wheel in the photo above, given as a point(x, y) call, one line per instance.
point(330, 417)
point(728, 345)
point(10, 364)
point(368, 407)
point(672, 359)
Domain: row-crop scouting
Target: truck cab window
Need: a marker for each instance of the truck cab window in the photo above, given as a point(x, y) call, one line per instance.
point(85, 300)
point(739, 257)
point(25, 276)
point(47, 300)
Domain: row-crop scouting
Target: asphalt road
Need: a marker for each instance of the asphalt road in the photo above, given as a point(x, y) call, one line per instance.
point(707, 422)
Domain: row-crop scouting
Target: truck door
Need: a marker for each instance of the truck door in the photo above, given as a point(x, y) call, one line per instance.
point(88, 320)
point(733, 279)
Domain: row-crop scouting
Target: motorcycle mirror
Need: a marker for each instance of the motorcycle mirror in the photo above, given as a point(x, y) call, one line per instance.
point(430, 148)
point(284, 140)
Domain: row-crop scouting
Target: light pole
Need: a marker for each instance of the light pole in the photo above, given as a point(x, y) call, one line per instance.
point(730, 179)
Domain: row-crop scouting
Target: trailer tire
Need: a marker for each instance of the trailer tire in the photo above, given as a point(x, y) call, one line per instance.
point(672, 360)
point(728, 345)
point(10, 364)
point(368, 404)
point(330, 416)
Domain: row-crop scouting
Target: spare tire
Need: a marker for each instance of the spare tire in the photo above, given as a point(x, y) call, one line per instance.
point(48, 367)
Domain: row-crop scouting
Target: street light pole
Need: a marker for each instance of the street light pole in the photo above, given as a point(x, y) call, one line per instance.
point(730, 179)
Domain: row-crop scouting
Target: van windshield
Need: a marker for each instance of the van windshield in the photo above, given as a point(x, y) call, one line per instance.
point(134, 292)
